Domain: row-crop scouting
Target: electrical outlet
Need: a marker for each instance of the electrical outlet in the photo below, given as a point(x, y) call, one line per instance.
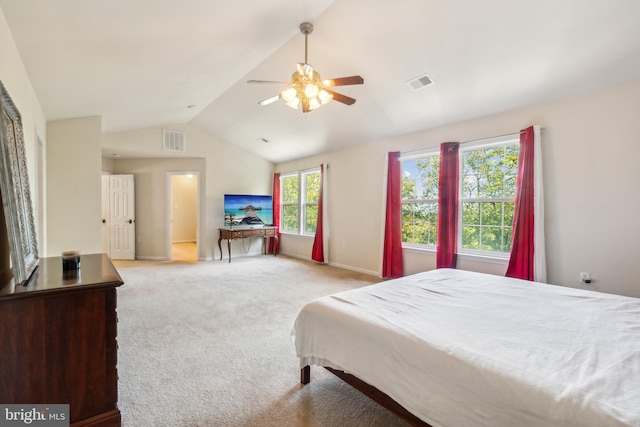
point(585, 277)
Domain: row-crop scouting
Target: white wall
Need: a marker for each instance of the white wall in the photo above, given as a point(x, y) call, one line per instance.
point(16, 80)
point(74, 183)
point(591, 148)
point(226, 169)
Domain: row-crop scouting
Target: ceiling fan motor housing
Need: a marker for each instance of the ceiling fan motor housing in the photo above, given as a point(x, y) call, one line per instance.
point(306, 28)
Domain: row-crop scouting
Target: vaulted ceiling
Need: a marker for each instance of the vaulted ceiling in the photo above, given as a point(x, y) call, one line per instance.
point(148, 63)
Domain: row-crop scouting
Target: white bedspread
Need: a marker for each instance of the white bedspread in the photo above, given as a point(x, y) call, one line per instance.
point(458, 349)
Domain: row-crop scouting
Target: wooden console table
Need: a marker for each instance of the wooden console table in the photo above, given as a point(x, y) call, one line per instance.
point(59, 340)
point(232, 233)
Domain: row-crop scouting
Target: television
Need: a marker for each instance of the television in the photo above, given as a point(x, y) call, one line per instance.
point(248, 210)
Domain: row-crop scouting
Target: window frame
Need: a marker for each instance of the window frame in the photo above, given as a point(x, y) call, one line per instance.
point(503, 141)
point(492, 256)
point(433, 152)
point(302, 203)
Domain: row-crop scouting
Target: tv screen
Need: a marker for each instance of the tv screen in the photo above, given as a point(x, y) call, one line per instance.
point(248, 210)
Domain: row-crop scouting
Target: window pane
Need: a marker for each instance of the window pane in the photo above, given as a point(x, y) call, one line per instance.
point(471, 213)
point(491, 213)
point(420, 178)
point(471, 237)
point(419, 223)
point(409, 180)
point(429, 172)
point(311, 219)
point(494, 172)
point(508, 214)
point(472, 174)
point(312, 187)
point(491, 239)
point(290, 189)
point(506, 239)
point(290, 218)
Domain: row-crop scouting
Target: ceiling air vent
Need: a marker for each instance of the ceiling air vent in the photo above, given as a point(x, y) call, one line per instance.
point(420, 82)
point(173, 140)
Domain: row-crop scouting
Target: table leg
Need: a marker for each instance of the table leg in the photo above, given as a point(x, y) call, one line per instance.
point(220, 247)
point(275, 245)
point(229, 248)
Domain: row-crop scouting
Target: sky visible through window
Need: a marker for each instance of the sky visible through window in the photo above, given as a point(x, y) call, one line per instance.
point(410, 170)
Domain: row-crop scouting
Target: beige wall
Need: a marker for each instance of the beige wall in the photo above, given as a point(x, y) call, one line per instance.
point(151, 186)
point(15, 79)
point(225, 169)
point(74, 201)
point(590, 150)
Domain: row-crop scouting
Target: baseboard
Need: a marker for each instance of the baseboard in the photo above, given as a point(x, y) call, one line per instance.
point(356, 269)
point(333, 264)
point(151, 258)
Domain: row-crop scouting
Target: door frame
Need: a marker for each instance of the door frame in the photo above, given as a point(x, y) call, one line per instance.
point(105, 212)
point(168, 209)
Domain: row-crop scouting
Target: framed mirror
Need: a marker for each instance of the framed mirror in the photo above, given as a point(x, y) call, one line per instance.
point(16, 193)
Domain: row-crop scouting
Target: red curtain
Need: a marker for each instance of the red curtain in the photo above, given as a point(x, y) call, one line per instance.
point(447, 241)
point(273, 247)
point(392, 257)
point(521, 265)
point(317, 253)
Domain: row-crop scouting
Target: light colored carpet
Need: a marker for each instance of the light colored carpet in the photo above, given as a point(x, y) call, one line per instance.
point(208, 344)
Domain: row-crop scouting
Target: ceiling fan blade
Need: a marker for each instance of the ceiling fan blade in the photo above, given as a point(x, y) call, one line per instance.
point(267, 82)
point(341, 98)
point(344, 81)
point(270, 100)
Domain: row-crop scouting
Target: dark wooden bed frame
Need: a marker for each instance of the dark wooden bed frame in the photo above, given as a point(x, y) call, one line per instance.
point(370, 391)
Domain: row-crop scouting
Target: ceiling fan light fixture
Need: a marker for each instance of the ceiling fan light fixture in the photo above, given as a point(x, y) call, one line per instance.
point(314, 103)
point(324, 96)
point(306, 87)
point(311, 90)
point(290, 97)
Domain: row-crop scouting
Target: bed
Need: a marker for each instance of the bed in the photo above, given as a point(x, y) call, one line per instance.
point(456, 348)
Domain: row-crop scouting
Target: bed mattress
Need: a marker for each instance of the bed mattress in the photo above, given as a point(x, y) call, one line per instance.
point(458, 348)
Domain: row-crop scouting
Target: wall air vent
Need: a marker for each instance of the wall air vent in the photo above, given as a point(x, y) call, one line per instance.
point(173, 141)
point(420, 82)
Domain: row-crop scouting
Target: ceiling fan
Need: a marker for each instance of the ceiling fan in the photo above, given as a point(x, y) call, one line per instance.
point(306, 88)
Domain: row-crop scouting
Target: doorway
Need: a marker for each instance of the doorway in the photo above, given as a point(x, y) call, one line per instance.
point(183, 215)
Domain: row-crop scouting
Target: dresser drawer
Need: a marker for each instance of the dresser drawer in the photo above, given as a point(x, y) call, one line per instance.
point(256, 232)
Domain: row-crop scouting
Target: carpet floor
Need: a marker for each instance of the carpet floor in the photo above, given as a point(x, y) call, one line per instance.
point(208, 344)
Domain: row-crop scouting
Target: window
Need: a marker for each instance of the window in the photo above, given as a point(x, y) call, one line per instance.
point(487, 196)
point(488, 175)
point(300, 192)
point(420, 199)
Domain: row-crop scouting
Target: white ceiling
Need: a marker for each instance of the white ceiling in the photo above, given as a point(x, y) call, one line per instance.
point(141, 63)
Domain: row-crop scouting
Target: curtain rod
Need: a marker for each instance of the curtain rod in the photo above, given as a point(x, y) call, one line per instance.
point(426, 150)
point(498, 136)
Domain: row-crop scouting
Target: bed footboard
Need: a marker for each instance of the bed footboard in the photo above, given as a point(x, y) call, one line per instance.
point(369, 391)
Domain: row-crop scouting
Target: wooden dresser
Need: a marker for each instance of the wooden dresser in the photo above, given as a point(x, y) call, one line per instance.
point(58, 340)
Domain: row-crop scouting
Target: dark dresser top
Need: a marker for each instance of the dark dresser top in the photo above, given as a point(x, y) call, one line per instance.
point(96, 271)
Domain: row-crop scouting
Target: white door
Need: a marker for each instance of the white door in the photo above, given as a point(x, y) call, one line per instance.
point(122, 216)
point(106, 241)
